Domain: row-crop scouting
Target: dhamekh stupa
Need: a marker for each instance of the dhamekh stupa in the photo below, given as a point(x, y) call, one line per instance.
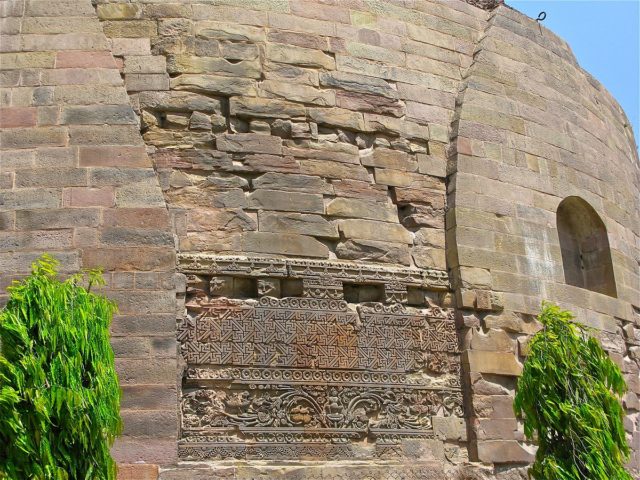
point(328, 224)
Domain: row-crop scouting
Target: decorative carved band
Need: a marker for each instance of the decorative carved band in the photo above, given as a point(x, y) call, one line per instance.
point(261, 266)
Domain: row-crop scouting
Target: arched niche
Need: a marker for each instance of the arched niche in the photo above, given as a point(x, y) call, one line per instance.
point(586, 256)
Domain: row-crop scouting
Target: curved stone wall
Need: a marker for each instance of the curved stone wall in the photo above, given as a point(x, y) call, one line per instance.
point(331, 169)
point(532, 129)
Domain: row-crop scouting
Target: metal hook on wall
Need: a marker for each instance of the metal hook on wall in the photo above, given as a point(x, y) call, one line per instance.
point(541, 16)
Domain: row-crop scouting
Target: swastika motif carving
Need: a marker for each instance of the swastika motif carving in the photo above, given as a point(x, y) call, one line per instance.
point(311, 376)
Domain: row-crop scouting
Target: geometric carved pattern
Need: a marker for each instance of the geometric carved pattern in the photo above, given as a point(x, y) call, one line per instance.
point(313, 376)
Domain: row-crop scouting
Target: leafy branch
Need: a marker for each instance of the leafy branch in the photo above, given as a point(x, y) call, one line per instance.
point(569, 398)
point(59, 392)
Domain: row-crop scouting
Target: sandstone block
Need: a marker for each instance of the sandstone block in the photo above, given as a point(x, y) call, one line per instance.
point(361, 190)
point(98, 115)
point(299, 56)
point(290, 73)
point(450, 428)
point(179, 102)
point(130, 28)
point(338, 117)
point(89, 197)
point(212, 84)
point(473, 277)
point(430, 237)
point(429, 257)
point(291, 182)
point(145, 64)
point(21, 60)
point(511, 322)
point(369, 103)
point(133, 258)
point(413, 216)
point(504, 451)
point(357, 83)
point(430, 165)
point(136, 217)
point(286, 201)
point(130, 46)
point(351, 207)
point(283, 244)
point(371, 230)
point(299, 93)
point(119, 11)
point(33, 137)
point(264, 108)
point(249, 142)
point(230, 31)
point(493, 340)
point(270, 163)
point(137, 82)
point(337, 170)
point(298, 39)
point(387, 158)
point(113, 236)
point(374, 251)
point(17, 117)
point(298, 223)
point(98, 135)
point(191, 64)
point(498, 363)
point(137, 471)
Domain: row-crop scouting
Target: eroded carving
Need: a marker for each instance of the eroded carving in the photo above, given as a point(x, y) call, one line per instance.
point(312, 376)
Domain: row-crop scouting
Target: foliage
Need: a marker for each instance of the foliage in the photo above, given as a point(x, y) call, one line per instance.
point(569, 396)
point(59, 392)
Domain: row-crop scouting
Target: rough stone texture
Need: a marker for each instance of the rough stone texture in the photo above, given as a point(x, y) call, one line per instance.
point(70, 195)
point(434, 136)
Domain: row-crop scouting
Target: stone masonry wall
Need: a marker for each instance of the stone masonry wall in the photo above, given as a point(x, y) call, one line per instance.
point(531, 129)
point(76, 182)
point(342, 178)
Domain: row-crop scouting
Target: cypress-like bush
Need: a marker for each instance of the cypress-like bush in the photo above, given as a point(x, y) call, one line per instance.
point(59, 392)
point(569, 397)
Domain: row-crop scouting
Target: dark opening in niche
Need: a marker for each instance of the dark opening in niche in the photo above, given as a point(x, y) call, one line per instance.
point(584, 244)
point(245, 287)
point(291, 288)
point(358, 293)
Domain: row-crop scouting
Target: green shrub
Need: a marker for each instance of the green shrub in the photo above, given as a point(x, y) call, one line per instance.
point(59, 392)
point(569, 397)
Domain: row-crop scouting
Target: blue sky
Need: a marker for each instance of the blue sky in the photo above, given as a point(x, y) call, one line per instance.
point(605, 38)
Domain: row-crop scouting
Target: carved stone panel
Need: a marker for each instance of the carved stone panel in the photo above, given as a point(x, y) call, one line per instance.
point(313, 376)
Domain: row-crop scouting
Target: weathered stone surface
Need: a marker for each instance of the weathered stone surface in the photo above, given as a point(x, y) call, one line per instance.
point(179, 102)
point(285, 201)
point(338, 117)
point(371, 230)
point(264, 108)
point(493, 340)
point(348, 207)
point(374, 251)
point(295, 183)
point(429, 257)
point(358, 83)
point(249, 142)
point(298, 93)
point(499, 451)
point(221, 66)
point(299, 223)
point(511, 322)
point(283, 244)
point(305, 57)
point(369, 103)
point(313, 102)
point(214, 84)
point(492, 362)
point(393, 159)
